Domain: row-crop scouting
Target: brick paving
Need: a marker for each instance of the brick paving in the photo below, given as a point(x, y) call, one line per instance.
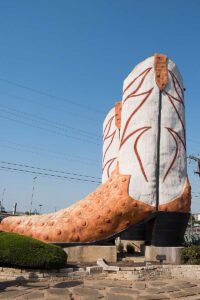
point(101, 289)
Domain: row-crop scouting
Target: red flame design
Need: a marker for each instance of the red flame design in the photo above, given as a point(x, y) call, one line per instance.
point(179, 98)
point(141, 77)
point(107, 135)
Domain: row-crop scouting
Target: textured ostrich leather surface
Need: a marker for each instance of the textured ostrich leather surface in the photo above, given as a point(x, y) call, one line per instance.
point(106, 211)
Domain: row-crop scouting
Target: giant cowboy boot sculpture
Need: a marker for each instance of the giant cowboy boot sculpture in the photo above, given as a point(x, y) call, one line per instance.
point(153, 143)
point(150, 181)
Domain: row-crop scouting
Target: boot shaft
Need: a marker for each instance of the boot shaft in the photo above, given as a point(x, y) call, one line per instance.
point(152, 146)
point(110, 144)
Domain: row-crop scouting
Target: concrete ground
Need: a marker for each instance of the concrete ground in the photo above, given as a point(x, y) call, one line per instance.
point(101, 289)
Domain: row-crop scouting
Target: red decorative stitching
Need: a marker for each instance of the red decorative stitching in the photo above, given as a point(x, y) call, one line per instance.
point(175, 155)
point(137, 154)
point(179, 117)
point(134, 95)
point(108, 124)
point(133, 113)
point(176, 133)
point(174, 98)
point(129, 85)
point(112, 135)
point(145, 128)
point(108, 169)
point(175, 80)
point(112, 159)
point(132, 133)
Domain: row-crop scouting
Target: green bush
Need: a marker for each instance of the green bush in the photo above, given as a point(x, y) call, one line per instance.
point(191, 255)
point(130, 248)
point(24, 252)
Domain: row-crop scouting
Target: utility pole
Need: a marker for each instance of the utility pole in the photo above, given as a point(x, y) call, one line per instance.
point(198, 163)
point(40, 206)
point(3, 194)
point(34, 179)
point(2, 199)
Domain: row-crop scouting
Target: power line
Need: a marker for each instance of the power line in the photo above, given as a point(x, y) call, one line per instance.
point(194, 141)
point(67, 156)
point(44, 176)
point(50, 96)
point(48, 170)
point(82, 116)
point(49, 155)
point(45, 121)
point(48, 124)
point(47, 174)
point(49, 130)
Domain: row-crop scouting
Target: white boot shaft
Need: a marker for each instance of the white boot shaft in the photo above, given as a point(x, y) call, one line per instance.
point(110, 145)
point(142, 133)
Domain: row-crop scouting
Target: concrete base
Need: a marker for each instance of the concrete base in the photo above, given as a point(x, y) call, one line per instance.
point(172, 254)
point(91, 253)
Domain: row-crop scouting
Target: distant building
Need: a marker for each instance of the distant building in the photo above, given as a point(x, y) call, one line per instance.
point(196, 216)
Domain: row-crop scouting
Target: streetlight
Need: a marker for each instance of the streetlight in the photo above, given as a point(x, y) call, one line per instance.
point(34, 179)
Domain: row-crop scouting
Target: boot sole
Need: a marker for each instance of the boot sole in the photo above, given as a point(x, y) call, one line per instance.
point(164, 229)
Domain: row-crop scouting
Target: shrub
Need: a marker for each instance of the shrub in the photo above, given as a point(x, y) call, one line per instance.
point(191, 239)
point(130, 248)
point(24, 252)
point(191, 255)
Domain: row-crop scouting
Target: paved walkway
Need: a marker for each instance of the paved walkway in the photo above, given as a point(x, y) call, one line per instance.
point(101, 289)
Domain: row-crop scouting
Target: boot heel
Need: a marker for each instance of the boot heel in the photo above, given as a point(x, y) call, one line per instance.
point(134, 233)
point(141, 231)
point(169, 229)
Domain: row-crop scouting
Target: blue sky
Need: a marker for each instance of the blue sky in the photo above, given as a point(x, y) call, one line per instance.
point(80, 52)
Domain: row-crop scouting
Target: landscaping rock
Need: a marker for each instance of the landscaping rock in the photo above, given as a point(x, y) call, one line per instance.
point(82, 291)
point(119, 290)
point(110, 296)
